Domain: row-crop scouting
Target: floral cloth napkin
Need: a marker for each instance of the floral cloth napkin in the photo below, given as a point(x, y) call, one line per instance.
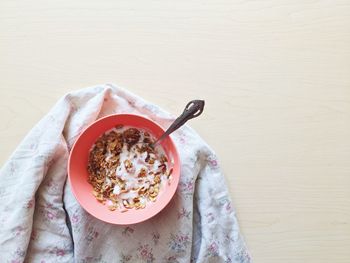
point(40, 220)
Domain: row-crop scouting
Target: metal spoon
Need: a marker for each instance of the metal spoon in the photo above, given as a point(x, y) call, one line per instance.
point(192, 110)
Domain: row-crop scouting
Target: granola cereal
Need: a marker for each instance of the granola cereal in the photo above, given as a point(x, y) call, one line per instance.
point(125, 171)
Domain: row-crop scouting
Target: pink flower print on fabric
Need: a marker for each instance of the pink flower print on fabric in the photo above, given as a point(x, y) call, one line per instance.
point(127, 231)
point(182, 140)
point(229, 207)
point(226, 204)
point(75, 219)
point(145, 253)
point(52, 186)
point(19, 255)
point(61, 251)
point(186, 188)
point(18, 231)
point(131, 102)
point(183, 214)
point(58, 252)
point(179, 242)
point(91, 235)
point(48, 212)
point(155, 237)
point(50, 215)
point(213, 162)
point(30, 204)
point(20, 252)
point(243, 257)
point(212, 250)
point(210, 217)
point(125, 258)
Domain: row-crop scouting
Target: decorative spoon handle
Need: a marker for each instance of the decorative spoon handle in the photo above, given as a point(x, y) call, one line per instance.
point(192, 110)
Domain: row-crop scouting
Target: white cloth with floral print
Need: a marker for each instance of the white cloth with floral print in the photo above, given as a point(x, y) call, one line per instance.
point(40, 220)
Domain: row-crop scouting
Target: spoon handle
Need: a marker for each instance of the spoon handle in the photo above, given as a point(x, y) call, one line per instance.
point(192, 110)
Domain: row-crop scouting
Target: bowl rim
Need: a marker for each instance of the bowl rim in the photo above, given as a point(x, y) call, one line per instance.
point(161, 207)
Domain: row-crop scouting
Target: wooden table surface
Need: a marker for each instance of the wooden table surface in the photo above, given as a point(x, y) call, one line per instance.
point(275, 75)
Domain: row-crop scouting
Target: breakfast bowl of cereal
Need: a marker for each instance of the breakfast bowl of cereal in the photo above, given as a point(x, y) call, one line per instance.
point(118, 174)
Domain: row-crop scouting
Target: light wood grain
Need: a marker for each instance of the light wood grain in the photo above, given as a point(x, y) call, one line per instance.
point(275, 75)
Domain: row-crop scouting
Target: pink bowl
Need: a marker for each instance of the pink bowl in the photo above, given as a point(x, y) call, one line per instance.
point(78, 174)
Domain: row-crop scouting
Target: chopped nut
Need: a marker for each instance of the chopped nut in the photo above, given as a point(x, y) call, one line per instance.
point(142, 173)
point(142, 190)
point(112, 208)
point(128, 165)
point(127, 204)
point(170, 172)
point(163, 158)
point(147, 140)
point(131, 136)
point(157, 179)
